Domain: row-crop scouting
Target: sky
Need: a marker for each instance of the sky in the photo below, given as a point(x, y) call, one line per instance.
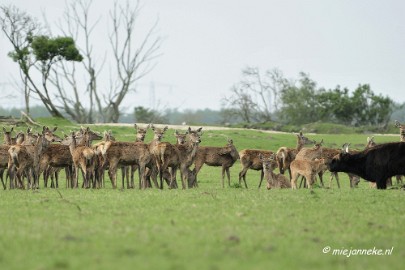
point(207, 43)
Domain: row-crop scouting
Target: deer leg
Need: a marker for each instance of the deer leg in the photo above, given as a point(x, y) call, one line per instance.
point(332, 174)
point(132, 176)
point(223, 177)
point(303, 182)
point(112, 173)
point(320, 178)
point(261, 178)
point(289, 172)
point(76, 181)
point(2, 180)
point(228, 174)
point(293, 180)
point(126, 171)
point(184, 177)
point(57, 178)
point(337, 180)
point(309, 179)
point(242, 176)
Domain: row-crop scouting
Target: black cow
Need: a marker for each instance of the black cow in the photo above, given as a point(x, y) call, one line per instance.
point(375, 164)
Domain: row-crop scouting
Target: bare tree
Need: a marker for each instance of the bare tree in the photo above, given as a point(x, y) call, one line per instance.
point(71, 87)
point(256, 96)
point(35, 52)
point(18, 27)
point(76, 23)
point(133, 60)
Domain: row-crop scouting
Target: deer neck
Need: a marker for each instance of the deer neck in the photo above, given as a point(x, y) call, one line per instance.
point(72, 146)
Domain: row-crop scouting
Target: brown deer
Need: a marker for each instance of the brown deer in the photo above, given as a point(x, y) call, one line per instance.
point(249, 159)
point(224, 157)
point(186, 152)
point(139, 137)
point(8, 140)
point(307, 168)
point(26, 157)
point(83, 158)
point(273, 180)
point(117, 154)
point(286, 155)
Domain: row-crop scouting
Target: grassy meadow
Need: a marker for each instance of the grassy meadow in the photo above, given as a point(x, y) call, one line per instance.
point(205, 228)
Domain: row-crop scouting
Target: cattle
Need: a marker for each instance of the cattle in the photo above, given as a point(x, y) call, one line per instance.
point(375, 164)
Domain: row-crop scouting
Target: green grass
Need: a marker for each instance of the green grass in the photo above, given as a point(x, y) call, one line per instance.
point(205, 228)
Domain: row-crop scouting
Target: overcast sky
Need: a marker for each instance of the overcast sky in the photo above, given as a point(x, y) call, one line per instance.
point(207, 43)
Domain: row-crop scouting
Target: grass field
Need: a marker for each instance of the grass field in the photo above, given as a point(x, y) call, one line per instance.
point(205, 228)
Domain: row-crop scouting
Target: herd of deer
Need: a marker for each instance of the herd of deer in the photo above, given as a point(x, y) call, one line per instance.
point(28, 155)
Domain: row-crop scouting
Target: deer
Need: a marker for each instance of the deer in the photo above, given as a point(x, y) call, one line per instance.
point(223, 157)
point(140, 137)
point(273, 180)
point(26, 157)
point(83, 158)
point(8, 141)
point(307, 168)
point(285, 155)
point(58, 157)
point(138, 154)
point(186, 152)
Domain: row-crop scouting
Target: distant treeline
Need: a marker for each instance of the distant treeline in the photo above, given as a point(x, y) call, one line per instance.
point(177, 117)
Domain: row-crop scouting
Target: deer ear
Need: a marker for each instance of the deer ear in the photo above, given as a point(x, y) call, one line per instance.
point(176, 132)
point(54, 129)
point(135, 126)
point(199, 130)
point(166, 128)
point(4, 129)
point(189, 129)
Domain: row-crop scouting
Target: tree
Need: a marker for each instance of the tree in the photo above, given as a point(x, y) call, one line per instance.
point(256, 96)
point(335, 105)
point(40, 52)
point(131, 58)
point(298, 101)
point(369, 108)
point(145, 115)
point(19, 27)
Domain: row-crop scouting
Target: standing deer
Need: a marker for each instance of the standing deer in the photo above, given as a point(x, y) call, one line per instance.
point(140, 137)
point(25, 158)
point(83, 158)
point(8, 141)
point(285, 155)
point(307, 168)
point(186, 152)
point(224, 157)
